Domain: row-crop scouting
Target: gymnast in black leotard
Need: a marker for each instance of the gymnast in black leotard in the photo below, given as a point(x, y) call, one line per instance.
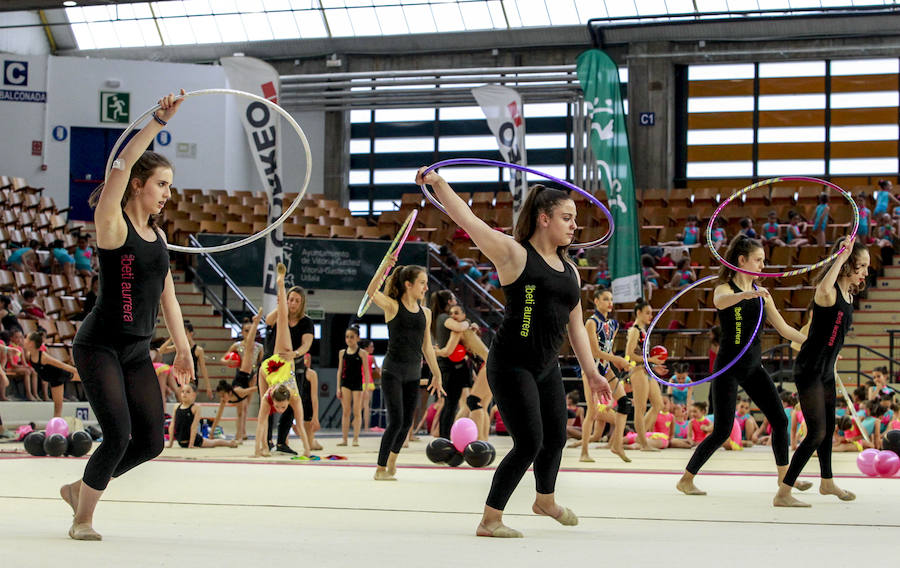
point(112, 347)
point(409, 338)
point(814, 369)
point(542, 290)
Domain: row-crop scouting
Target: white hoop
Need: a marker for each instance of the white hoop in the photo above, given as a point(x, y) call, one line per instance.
point(287, 212)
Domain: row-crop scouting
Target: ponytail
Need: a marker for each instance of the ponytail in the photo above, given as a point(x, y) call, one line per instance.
point(394, 287)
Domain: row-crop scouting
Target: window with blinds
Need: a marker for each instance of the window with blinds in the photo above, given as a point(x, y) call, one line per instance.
point(837, 119)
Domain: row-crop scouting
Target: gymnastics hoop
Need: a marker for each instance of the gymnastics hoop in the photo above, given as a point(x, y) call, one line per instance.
point(287, 212)
point(646, 350)
point(804, 270)
point(518, 167)
point(394, 249)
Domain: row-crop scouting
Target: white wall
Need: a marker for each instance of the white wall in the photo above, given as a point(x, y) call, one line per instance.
point(24, 41)
point(73, 88)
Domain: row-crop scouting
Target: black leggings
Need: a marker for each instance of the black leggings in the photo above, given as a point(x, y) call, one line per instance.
point(123, 390)
point(400, 395)
point(817, 399)
point(533, 408)
point(455, 377)
point(759, 387)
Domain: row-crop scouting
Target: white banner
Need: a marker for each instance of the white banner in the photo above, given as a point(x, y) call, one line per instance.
point(263, 128)
point(503, 108)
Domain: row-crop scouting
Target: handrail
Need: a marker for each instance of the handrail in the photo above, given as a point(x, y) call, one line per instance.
point(221, 303)
point(485, 310)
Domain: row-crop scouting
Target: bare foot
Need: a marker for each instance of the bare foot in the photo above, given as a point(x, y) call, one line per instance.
point(234, 443)
point(621, 454)
point(69, 494)
point(574, 444)
point(649, 449)
point(356, 443)
point(498, 530)
point(788, 501)
point(688, 488)
point(316, 446)
point(586, 458)
point(344, 443)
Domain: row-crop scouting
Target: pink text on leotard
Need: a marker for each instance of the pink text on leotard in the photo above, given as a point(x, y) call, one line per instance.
point(127, 275)
point(837, 326)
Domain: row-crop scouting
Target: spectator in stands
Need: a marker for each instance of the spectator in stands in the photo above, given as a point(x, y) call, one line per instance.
point(691, 233)
point(772, 231)
point(820, 221)
point(11, 291)
point(84, 257)
point(649, 276)
point(719, 235)
point(49, 369)
point(7, 319)
point(16, 369)
point(603, 278)
point(683, 276)
point(62, 258)
point(880, 386)
point(865, 218)
point(90, 299)
point(24, 258)
point(796, 230)
point(884, 232)
point(30, 308)
point(883, 197)
point(491, 279)
point(747, 228)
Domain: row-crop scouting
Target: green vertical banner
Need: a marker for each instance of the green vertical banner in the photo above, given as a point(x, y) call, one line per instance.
point(599, 78)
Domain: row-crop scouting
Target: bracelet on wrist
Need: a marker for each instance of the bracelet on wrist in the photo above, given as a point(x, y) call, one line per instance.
point(159, 120)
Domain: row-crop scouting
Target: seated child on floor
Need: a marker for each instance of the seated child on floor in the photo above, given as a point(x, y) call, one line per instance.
point(849, 438)
point(679, 437)
point(700, 424)
point(185, 425)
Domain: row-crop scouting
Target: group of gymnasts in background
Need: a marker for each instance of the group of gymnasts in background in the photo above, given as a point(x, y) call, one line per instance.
point(521, 370)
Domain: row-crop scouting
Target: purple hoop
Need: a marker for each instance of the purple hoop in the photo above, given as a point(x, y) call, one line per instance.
point(646, 351)
point(804, 270)
point(497, 163)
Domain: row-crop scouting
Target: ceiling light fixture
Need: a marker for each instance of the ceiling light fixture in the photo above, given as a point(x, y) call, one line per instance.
point(70, 3)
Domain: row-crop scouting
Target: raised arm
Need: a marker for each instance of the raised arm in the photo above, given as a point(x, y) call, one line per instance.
point(201, 366)
point(825, 295)
point(382, 300)
point(219, 412)
point(505, 253)
point(110, 225)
